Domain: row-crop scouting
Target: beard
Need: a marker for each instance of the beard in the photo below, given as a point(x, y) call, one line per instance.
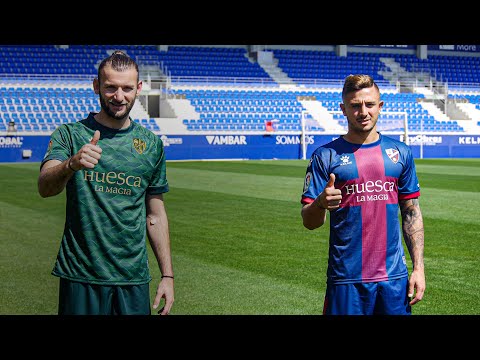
point(115, 115)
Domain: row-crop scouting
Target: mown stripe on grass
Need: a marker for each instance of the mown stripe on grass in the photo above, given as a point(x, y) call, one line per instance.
point(474, 162)
point(271, 168)
point(30, 240)
point(450, 182)
point(210, 289)
point(435, 203)
point(457, 206)
point(25, 230)
point(449, 170)
point(249, 185)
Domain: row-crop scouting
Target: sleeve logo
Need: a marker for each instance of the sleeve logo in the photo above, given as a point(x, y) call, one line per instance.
point(49, 149)
point(308, 179)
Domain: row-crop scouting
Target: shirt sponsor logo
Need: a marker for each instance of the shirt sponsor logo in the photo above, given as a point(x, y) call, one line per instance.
point(377, 186)
point(227, 140)
point(357, 193)
point(112, 182)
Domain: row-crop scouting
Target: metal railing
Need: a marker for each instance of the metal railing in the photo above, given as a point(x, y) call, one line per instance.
point(225, 81)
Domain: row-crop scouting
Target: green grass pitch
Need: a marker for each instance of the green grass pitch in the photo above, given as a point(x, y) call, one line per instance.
point(238, 243)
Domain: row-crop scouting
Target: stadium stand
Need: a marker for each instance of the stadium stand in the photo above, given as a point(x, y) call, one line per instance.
point(232, 89)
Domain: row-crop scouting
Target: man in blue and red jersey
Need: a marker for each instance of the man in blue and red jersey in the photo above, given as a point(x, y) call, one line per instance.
point(362, 178)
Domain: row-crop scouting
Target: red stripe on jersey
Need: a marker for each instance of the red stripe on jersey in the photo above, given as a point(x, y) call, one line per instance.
point(409, 196)
point(307, 200)
point(371, 167)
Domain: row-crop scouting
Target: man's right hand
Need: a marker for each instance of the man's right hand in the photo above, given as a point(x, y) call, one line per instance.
point(330, 198)
point(89, 154)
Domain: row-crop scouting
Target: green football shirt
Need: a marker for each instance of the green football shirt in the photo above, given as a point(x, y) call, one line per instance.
point(104, 238)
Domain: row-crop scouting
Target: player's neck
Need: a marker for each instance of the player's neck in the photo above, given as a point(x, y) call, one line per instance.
point(112, 123)
point(362, 137)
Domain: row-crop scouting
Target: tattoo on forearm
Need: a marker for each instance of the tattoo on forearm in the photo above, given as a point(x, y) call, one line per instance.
point(413, 232)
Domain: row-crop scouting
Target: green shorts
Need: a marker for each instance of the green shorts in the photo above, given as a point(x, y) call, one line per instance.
point(76, 298)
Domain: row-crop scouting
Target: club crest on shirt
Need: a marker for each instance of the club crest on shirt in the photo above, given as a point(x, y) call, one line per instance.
point(139, 145)
point(393, 154)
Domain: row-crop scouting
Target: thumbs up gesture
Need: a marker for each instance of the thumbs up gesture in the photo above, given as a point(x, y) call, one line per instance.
point(330, 198)
point(331, 181)
point(95, 138)
point(89, 155)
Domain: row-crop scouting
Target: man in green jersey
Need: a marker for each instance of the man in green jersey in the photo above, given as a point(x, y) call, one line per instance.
point(114, 173)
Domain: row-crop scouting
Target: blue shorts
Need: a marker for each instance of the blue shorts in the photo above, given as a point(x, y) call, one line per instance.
point(376, 298)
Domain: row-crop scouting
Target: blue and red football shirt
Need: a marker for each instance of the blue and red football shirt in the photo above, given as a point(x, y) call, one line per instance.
point(365, 239)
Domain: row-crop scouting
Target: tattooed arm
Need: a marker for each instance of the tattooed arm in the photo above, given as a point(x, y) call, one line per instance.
point(413, 234)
